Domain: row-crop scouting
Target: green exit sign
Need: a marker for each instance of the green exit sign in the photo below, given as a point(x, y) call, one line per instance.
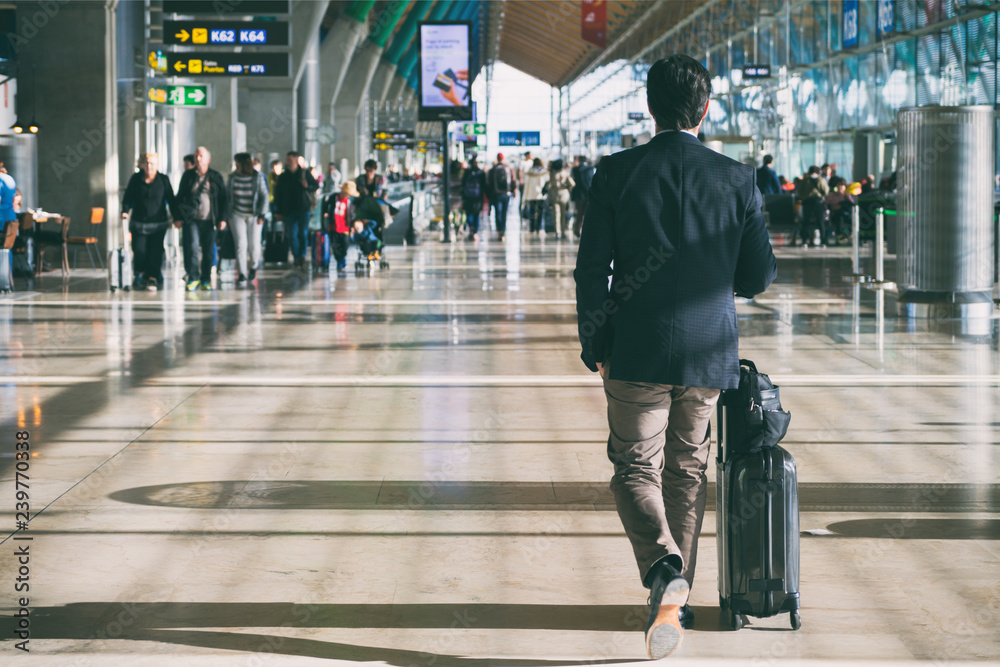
point(472, 129)
point(180, 96)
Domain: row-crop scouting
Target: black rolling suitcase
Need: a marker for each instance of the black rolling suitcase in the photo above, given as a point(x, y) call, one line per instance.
point(757, 504)
point(275, 244)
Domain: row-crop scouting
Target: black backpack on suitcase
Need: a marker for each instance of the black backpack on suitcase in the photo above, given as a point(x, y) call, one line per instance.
point(757, 504)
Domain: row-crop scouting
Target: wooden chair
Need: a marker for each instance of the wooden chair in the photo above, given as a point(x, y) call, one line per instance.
point(53, 239)
point(89, 242)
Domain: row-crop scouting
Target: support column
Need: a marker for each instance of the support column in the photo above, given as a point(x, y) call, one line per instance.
point(215, 129)
point(336, 53)
point(77, 153)
point(350, 103)
point(353, 94)
point(308, 105)
point(307, 15)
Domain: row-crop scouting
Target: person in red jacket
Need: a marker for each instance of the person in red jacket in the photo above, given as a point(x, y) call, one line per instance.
point(339, 215)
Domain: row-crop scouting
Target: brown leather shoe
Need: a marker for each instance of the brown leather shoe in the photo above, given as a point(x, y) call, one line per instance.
point(668, 593)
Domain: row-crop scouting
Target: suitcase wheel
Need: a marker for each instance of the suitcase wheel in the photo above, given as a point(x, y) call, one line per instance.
point(796, 620)
point(735, 620)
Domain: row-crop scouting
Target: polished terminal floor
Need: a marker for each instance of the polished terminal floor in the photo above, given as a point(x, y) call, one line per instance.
point(408, 468)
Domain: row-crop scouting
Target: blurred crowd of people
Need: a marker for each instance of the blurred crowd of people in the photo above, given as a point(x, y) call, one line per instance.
point(551, 198)
point(823, 200)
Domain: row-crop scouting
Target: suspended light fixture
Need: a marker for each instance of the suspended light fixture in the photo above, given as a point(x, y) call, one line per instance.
point(33, 128)
point(18, 128)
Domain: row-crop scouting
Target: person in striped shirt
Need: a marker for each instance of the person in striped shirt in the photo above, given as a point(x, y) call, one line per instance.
point(248, 193)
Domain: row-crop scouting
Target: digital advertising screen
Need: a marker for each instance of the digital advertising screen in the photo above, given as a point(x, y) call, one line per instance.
point(444, 71)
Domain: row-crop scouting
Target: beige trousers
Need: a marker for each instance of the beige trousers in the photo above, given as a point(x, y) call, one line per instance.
point(659, 445)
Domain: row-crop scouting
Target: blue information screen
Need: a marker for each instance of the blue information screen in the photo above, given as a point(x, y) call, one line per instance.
point(850, 24)
point(886, 17)
point(520, 138)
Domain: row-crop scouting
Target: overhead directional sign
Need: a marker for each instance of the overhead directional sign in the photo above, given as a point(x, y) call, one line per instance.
point(226, 8)
point(425, 146)
point(393, 136)
point(226, 33)
point(520, 138)
point(228, 64)
point(473, 129)
point(756, 71)
point(191, 95)
point(395, 145)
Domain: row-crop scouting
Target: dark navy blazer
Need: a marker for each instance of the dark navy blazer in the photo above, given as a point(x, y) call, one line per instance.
point(684, 228)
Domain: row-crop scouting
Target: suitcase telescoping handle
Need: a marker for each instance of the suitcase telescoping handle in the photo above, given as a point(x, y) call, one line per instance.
point(721, 426)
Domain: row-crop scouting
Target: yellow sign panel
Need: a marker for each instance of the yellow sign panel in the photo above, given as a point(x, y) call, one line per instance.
point(158, 61)
point(194, 66)
point(158, 95)
point(199, 35)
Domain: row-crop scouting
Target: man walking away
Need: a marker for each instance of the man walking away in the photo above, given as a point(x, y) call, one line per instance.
point(767, 179)
point(296, 188)
point(473, 189)
point(501, 183)
point(583, 176)
point(683, 228)
point(204, 205)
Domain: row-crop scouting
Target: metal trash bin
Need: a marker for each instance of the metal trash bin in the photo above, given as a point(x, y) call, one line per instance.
point(945, 212)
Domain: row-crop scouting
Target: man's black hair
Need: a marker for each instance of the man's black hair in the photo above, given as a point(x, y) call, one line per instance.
point(677, 89)
point(189, 158)
point(293, 154)
point(768, 159)
point(371, 164)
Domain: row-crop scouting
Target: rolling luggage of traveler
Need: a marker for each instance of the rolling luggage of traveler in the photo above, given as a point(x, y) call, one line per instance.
point(6, 271)
point(226, 255)
point(275, 244)
point(757, 504)
point(120, 262)
point(7, 241)
point(321, 250)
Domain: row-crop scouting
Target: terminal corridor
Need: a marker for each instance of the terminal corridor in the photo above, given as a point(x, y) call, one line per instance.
point(409, 468)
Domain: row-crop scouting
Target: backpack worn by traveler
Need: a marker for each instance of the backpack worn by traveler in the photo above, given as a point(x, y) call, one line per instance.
point(500, 178)
point(471, 188)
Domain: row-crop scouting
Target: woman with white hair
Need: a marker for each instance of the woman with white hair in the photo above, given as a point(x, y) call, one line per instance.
point(145, 206)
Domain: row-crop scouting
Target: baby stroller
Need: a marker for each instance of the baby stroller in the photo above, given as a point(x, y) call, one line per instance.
point(369, 242)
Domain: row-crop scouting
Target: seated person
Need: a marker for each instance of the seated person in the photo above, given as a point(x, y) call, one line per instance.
point(365, 235)
point(840, 203)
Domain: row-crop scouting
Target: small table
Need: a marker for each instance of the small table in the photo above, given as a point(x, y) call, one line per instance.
point(43, 218)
